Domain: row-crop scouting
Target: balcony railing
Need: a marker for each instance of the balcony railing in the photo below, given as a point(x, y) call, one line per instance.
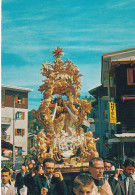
point(5, 137)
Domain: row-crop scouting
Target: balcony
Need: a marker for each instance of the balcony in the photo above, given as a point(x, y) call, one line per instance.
point(5, 138)
point(6, 120)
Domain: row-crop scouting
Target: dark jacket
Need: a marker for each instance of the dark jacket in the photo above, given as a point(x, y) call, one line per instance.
point(57, 186)
point(29, 182)
point(19, 181)
point(118, 186)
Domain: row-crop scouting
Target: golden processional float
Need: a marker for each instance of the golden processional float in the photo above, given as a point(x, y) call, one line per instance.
point(62, 115)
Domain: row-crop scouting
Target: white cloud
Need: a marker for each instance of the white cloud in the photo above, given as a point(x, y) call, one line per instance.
point(21, 76)
point(123, 4)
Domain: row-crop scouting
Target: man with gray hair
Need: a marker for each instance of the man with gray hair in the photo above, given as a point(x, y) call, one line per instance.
point(96, 168)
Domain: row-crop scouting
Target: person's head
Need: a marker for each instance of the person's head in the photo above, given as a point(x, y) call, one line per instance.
point(30, 167)
point(23, 168)
point(26, 168)
point(107, 165)
point(83, 185)
point(13, 165)
point(59, 152)
point(128, 167)
point(5, 175)
point(39, 170)
point(48, 165)
point(32, 161)
point(96, 167)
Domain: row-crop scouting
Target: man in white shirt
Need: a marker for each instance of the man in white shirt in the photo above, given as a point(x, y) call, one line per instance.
point(6, 188)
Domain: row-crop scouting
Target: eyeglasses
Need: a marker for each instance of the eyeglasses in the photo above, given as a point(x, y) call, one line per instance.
point(107, 166)
point(99, 168)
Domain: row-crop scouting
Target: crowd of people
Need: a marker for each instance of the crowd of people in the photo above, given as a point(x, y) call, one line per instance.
point(42, 179)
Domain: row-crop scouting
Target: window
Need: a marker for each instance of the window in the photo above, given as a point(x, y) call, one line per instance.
point(20, 100)
point(131, 76)
point(4, 131)
point(20, 115)
point(19, 132)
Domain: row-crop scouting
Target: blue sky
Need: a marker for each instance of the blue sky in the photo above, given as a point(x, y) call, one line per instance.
point(85, 29)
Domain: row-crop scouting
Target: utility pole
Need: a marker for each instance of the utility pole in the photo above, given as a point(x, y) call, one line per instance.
point(14, 130)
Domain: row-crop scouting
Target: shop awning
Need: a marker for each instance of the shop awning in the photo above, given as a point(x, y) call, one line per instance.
point(123, 137)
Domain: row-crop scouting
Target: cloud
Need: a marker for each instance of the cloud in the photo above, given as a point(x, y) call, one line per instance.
point(21, 76)
point(8, 1)
point(32, 29)
point(101, 48)
point(126, 4)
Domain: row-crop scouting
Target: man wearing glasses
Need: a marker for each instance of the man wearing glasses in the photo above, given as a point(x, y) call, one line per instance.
point(96, 168)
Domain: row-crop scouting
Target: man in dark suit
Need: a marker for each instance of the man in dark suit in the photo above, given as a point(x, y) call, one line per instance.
point(19, 183)
point(107, 172)
point(53, 182)
point(122, 183)
point(29, 180)
point(6, 188)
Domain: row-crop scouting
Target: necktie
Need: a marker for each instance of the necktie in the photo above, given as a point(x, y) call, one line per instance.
point(125, 187)
point(49, 183)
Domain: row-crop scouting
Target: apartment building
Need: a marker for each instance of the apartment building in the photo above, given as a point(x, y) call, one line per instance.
point(14, 117)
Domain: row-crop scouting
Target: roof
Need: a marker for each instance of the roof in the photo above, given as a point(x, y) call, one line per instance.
point(16, 88)
point(98, 91)
point(95, 88)
point(7, 145)
point(120, 51)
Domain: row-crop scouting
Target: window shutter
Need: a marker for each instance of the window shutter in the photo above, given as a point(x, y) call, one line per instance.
point(15, 132)
point(23, 114)
point(23, 100)
point(16, 99)
point(16, 115)
point(130, 76)
point(22, 132)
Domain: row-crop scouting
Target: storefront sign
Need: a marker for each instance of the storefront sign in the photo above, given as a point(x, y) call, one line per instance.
point(112, 107)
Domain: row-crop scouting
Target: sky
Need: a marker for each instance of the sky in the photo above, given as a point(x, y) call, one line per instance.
point(84, 29)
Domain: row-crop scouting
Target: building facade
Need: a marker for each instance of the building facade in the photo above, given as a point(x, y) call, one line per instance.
point(118, 78)
point(100, 116)
point(14, 116)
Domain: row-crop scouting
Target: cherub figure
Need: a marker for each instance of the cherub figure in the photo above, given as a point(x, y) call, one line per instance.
point(90, 144)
